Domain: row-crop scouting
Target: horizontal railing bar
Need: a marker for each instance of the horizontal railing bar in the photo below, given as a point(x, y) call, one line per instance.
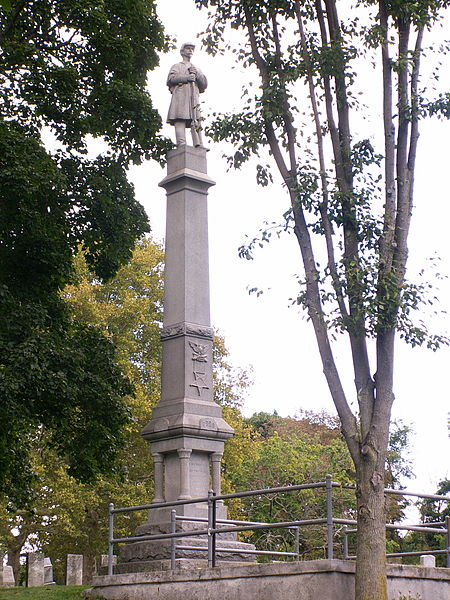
point(400, 554)
point(224, 521)
point(238, 551)
point(423, 553)
point(159, 505)
point(161, 536)
point(408, 528)
point(416, 494)
point(232, 522)
point(265, 491)
point(415, 528)
point(281, 525)
point(348, 486)
point(344, 521)
point(436, 524)
point(288, 488)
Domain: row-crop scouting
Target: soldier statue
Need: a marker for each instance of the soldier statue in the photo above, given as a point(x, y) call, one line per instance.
point(185, 83)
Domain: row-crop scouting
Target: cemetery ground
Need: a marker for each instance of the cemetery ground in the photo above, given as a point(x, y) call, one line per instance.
point(53, 592)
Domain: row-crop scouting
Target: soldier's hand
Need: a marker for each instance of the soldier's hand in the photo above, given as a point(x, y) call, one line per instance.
point(191, 77)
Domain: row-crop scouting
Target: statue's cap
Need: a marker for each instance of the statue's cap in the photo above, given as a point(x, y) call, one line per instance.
point(187, 44)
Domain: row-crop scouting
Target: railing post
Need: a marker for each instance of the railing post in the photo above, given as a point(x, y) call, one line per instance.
point(173, 541)
point(210, 526)
point(447, 524)
point(297, 543)
point(345, 544)
point(110, 537)
point(329, 488)
point(214, 525)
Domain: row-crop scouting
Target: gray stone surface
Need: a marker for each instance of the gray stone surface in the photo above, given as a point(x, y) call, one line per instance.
point(104, 560)
point(48, 571)
point(185, 83)
point(74, 571)
point(35, 563)
point(309, 580)
point(143, 552)
point(428, 560)
point(187, 431)
point(8, 576)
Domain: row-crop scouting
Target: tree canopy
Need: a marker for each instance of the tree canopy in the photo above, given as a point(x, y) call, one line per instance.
point(64, 515)
point(69, 71)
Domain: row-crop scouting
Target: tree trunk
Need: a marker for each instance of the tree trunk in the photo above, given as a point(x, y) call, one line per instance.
point(371, 581)
point(14, 561)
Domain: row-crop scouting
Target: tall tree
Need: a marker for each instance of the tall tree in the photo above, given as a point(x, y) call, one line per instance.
point(350, 205)
point(66, 515)
point(69, 70)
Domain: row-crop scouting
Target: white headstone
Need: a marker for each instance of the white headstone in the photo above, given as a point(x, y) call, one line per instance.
point(104, 560)
point(427, 560)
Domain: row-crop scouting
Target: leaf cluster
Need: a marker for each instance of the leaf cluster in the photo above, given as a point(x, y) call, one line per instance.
point(79, 67)
point(70, 70)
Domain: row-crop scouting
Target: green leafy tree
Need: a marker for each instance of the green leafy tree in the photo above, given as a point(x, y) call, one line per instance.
point(69, 71)
point(431, 511)
point(301, 449)
point(289, 452)
point(350, 204)
point(67, 515)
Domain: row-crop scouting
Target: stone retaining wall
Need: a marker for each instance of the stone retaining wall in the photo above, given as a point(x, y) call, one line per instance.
point(309, 580)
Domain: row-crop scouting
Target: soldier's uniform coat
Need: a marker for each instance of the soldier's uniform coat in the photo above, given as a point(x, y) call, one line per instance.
point(184, 105)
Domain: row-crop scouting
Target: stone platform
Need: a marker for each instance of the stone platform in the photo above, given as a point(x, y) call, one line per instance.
point(308, 580)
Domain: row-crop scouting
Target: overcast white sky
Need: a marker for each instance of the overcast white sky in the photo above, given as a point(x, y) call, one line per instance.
point(265, 332)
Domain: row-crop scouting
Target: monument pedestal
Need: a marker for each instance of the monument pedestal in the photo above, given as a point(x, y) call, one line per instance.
point(187, 432)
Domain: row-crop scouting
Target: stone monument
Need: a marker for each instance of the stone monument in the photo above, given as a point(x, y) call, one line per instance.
point(185, 83)
point(48, 571)
point(35, 569)
point(8, 577)
point(74, 569)
point(187, 431)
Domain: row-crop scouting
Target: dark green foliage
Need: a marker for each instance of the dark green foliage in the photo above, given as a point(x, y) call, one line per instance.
point(431, 511)
point(69, 69)
point(59, 376)
point(302, 449)
point(79, 66)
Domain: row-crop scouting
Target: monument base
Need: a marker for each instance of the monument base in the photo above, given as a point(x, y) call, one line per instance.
point(148, 555)
point(146, 552)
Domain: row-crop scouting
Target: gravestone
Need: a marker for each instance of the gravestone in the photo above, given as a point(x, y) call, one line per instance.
point(48, 571)
point(8, 576)
point(104, 560)
point(35, 566)
point(74, 571)
point(427, 560)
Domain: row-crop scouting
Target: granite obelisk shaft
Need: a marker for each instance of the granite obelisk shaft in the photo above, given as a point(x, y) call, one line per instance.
point(186, 432)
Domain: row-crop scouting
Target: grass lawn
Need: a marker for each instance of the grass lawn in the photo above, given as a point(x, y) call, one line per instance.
point(47, 592)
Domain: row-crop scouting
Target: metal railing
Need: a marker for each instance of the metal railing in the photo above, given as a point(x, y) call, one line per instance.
point(217, 527)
